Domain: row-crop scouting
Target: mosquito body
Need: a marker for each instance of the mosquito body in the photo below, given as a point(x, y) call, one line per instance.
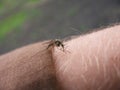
point(57, 43)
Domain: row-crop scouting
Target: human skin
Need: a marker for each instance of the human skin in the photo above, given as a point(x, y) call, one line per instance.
point(28, 68)
point(89, 62)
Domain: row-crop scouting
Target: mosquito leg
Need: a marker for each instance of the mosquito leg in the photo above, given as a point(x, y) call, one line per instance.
point(50, 45)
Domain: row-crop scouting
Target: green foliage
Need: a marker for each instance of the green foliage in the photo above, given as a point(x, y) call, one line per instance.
point(10, 23)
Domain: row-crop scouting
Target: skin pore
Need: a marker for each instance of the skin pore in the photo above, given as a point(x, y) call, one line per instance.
point(88, 62)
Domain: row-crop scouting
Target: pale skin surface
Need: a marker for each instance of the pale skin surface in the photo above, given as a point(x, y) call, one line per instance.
point(93, 62)
point(89, 62)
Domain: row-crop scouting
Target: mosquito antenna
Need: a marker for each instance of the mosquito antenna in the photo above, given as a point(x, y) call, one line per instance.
point(76, 30)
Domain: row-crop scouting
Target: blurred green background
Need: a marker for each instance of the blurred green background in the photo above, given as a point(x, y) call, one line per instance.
point(27, 21)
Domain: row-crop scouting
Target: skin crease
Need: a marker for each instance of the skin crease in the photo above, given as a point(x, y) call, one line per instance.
point(89, 62)
point(28, 68)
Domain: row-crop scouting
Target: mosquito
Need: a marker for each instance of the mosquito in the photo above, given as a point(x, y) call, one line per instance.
point(57, 43)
